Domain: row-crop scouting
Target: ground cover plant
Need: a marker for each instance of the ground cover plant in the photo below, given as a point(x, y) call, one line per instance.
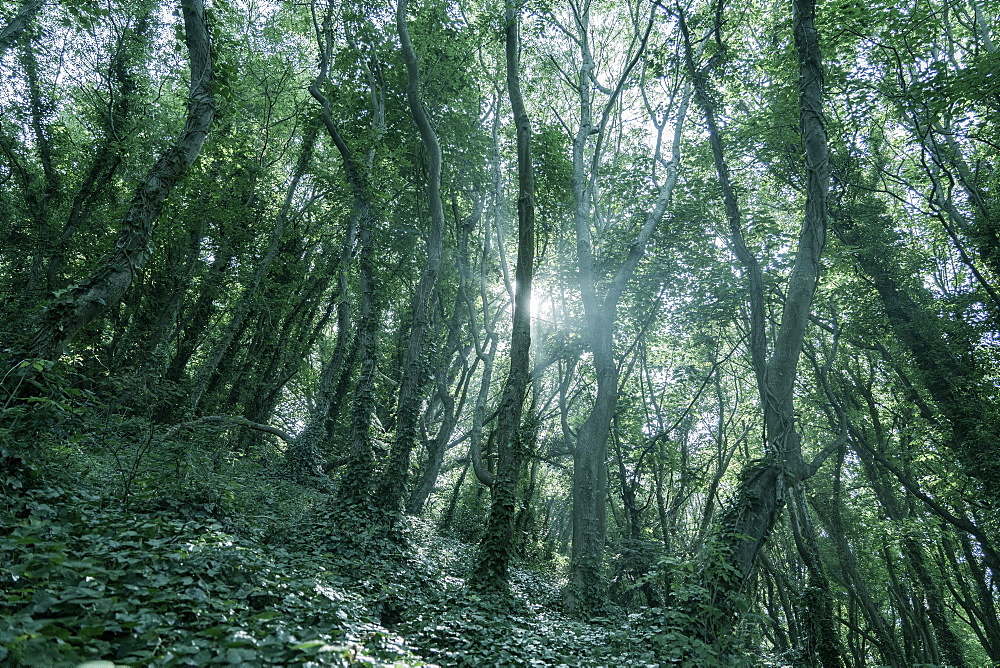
point(172, 581)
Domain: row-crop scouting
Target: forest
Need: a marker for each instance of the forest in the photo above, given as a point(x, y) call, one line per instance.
point(500, 333)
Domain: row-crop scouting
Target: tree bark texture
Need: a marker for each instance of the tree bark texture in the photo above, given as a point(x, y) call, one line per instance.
point(392, 487)
point(106, 286)
point(497, 546)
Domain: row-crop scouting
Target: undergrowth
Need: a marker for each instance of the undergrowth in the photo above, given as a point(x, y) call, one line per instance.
point(86, 580)
point(114, 551)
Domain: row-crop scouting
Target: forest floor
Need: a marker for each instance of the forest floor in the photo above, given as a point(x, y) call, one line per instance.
point(268, 573)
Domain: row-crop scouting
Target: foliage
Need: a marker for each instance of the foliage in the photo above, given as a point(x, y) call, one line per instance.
point(170, 588)
point(150, 508)
point(86, 579)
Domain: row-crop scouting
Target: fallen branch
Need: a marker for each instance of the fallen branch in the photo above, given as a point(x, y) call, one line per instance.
point(230, 421)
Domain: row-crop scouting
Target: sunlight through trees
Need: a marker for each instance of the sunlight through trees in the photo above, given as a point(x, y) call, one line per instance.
point(451, 332)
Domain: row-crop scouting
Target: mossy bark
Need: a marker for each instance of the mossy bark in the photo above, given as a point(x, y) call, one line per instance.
point(497, 546)
point(107, 285)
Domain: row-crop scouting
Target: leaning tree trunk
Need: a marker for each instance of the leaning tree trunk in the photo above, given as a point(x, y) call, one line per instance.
point(304, 457)
point(850, 575)
point(927, 587)
point(949, 372)
point(42, 194)
point(220, 348)
point(17, 24)
point(944, 371)
point(108, 156)
point(106, 286)
point(755, 506)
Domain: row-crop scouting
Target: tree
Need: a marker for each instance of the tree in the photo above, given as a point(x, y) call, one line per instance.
point(754, 509)
point(585, 590)
point(736, 437)
point(106, 286)
point(496, 548)
point(17, 23)
point(393, 483)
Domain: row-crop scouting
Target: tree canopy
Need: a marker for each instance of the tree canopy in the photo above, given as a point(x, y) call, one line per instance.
point(562, 332)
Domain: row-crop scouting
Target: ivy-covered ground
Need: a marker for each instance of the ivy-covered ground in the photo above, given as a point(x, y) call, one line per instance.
point(268, 573)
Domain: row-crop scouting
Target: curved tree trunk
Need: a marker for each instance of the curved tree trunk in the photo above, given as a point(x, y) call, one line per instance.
point(453, 371)
point(108, 284)
point(757, 502)
point(392, 488)
point(497, 546)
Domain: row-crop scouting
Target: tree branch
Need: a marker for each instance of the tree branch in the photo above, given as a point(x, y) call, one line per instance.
point(230, 421)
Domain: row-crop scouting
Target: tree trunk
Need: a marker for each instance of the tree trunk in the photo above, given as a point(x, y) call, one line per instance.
point(949, 375)
point(943, 640)
point(497, 545)
point(453, 370)
point(245, 302)
point(850, 575)
point(42, 197)
point(359, 474)
point(585, 591)
point(392, 487)
point(18, 23)
point(754, 508)
point(987, 597)
point(450, 373)
point(822, 642)
point(106, 286)
point(304, 456)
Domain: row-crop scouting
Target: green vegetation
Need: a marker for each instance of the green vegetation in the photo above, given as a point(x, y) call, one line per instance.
point(500, 332)
point(241, 567)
